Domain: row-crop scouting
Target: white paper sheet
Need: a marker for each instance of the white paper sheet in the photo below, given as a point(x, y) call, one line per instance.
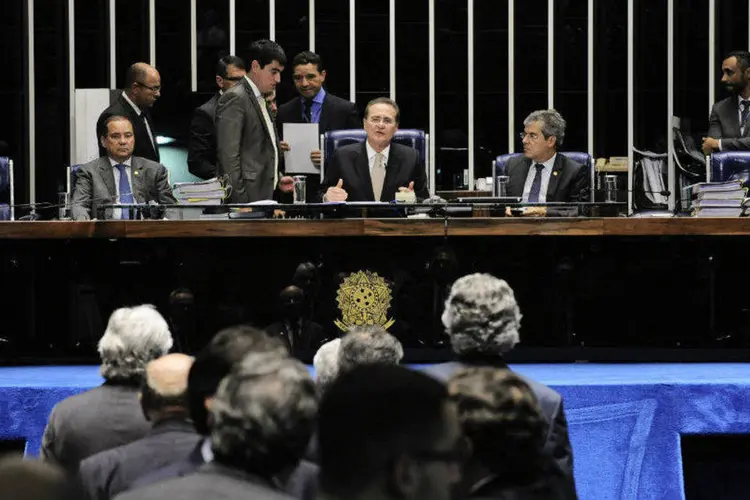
point(302, 139)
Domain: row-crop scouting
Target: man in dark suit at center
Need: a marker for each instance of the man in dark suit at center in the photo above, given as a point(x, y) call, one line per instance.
point(374, 170)
point(542, 175)
point(728, 128)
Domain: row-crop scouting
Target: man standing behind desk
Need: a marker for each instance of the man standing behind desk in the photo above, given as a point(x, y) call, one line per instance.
point(118, 177)
point(143, 88)
point(230, 70)
point(728, 125)
point(247, 143)
point(374, 170)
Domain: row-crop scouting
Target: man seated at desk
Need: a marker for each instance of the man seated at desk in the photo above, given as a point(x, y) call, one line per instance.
point(727, 129)
point(374, 170)
point(541, 175)
point(118, 177)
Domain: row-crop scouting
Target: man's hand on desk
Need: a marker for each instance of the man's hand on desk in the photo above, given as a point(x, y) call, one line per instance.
point(710, 145)
point(336, 193)
point(286, 184)
point(407, 189)
point(315, 157)
point(528, 212)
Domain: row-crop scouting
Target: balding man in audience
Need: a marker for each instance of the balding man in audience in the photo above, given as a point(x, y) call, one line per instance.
point(109, 415)
point(482, 319)
point(263, 415)
point(32, 480)
point(142, 89)
point(212, 364)
point(367, 345)
point(501, 418)
point(387, 432)
point(172, 435)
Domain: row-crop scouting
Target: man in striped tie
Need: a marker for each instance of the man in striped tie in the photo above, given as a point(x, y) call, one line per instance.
point(728, 128)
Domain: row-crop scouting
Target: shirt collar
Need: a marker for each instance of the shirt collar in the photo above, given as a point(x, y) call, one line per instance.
point(371, 152)
point(136, 108)
point(549, 163)
point(320, 96)
point(254, 87)
point(127, 162)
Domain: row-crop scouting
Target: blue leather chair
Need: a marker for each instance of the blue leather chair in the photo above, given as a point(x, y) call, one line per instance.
point(729, 166)
point(72, 179)
point(7, 210)
point(413, 138)
point(501, 162)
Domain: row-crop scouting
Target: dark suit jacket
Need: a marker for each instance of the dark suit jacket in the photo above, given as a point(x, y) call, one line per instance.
point(306, 341)
point(143, 145)
point(202, 145)
point(212, 481)
point(104, 475)
point(350, 163)
point(244, 146)
point(96, 420)
point(550, 401)
point(95, 185)
point(568, 183)
point(302, 483)
point(724, 124)
point(336, 114)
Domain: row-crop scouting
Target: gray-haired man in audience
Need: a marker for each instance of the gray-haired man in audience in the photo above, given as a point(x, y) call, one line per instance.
point(367, 345)
point(109, 415)
point(326, 363)
point(263, 416)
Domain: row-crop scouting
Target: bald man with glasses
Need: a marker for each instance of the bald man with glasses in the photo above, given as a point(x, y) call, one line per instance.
point(142, 89)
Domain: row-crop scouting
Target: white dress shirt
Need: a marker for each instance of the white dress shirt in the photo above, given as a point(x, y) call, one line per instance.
point(546, 173)
point(371, 155)
point(139, 113)
point(117, 212)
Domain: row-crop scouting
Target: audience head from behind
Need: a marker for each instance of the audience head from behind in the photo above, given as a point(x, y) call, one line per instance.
point(32, 480)
point(381, 121)
point(500, 416)
point(143, 85)
point(164, 390)
point(387, 432)
point(215, 361)
point(230, 70)
point(735, 73)
point(263, 415)
point(118, 138)
point(134, 336)
point(367, 345)
point(543, 133)
point(481, 316)
point(308, 74)
point(266, 60)
point(326, 364)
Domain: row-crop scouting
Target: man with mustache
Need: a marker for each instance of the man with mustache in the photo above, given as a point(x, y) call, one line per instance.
point(727, 129)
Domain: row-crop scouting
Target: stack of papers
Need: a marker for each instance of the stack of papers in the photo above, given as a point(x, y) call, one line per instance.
point(209, 192)
point(718, 199)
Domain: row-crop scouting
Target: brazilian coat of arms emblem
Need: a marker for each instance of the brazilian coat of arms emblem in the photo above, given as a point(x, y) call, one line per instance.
point(363, 298)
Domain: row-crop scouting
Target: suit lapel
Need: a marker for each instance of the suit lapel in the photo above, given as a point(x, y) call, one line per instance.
point(325, 113)
point(108, 176)
point(518, 181)
point(256, 105)
point(733, 118)
point(138, 174)
point(391, 173)
point(362, 171)
point(554, 178)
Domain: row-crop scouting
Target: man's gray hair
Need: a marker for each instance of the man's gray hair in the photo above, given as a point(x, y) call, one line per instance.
point(481, 315)
point(326, 363)
point(367, 345)
point(134, 336)
point(553, 124)
point(264, 414)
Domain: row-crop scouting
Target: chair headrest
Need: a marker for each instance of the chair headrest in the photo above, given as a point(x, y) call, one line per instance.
point(730, 165)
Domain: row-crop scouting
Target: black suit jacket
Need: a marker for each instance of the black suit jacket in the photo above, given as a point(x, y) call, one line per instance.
point(568, 183)
point(104, 475)
point(724, 124)
point(336, 114)
point(550, 401)
point(306, 340)
point(202, 144)
point(143, 145)
point(350, 163)
point(85, 424)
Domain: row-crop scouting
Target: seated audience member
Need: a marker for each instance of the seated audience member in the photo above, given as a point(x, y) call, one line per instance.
point(542, 175)
point(501, 418)
point(301, 335)
point(32, 480)
point(367, 345)
point(326, 364)
point(171, 438)
point(263, 415)
point(387, 432)
point(374, 170)
point(202, 143)
point(482, 320)
point(213, 363)
point(109, 415)
point(119, 177)
point(728, 124)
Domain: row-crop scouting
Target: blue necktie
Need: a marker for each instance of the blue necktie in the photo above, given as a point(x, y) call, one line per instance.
point(536, 185)
point(126, 194)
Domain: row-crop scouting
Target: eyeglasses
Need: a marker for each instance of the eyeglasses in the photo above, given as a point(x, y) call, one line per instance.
point(377, 120)
point(155, 88)
point(533, 136)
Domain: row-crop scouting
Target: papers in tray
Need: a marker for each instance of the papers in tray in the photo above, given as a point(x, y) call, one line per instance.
point(209, 192)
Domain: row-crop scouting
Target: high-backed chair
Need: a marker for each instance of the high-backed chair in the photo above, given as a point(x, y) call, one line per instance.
point(501, 162)
point(72, 179)
point(7, 210)
point(729, 166)
point(413, 138)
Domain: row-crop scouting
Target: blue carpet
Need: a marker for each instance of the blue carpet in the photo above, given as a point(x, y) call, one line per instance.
point(625, 420)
